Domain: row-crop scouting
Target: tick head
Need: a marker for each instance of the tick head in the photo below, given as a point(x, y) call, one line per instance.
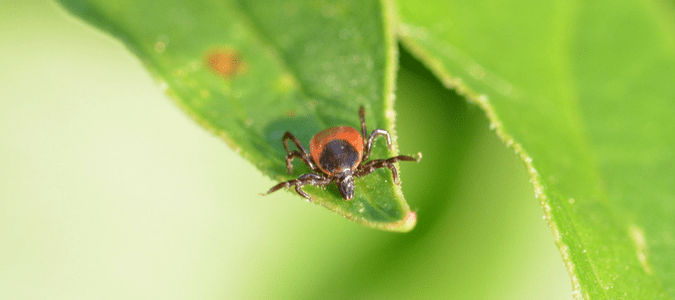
point(345, 183)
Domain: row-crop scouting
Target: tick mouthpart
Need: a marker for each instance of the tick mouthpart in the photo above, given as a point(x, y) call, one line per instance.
point(345, 185)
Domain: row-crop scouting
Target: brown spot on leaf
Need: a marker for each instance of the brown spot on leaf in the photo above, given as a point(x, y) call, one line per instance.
point(291, 113)
point(225, 62)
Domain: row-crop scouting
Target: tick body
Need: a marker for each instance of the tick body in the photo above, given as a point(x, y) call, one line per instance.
point(338, 154)
point(337, 148)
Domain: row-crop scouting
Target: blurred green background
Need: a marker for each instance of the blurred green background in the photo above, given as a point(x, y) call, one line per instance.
point(109, 191)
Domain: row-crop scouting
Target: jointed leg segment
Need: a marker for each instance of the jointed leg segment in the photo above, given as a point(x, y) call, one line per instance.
point(293, 154)
point(362, 115)
point(368, 143)
point(309, 178)
point(375, 164)
point(302, 154)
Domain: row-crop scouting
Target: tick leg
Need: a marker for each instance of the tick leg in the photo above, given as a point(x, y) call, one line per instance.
point(362, 115)
point(369, 143)
point(310, 178)
point(295, 153)
point(303, 154)
point(375, 164)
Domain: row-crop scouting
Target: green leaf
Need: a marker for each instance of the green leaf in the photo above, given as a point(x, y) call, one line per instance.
point(250, 70)
point(583, 92)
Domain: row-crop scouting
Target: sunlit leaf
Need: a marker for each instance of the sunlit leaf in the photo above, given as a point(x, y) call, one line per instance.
point(249, 71)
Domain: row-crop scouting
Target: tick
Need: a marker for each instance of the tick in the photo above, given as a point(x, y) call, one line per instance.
point(338, 154)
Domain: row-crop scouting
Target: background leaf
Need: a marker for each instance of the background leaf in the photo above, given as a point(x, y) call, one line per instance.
point(583, 92)
point(250, 70)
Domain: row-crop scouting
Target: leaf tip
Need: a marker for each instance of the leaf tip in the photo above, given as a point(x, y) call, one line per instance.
point(405, 225)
